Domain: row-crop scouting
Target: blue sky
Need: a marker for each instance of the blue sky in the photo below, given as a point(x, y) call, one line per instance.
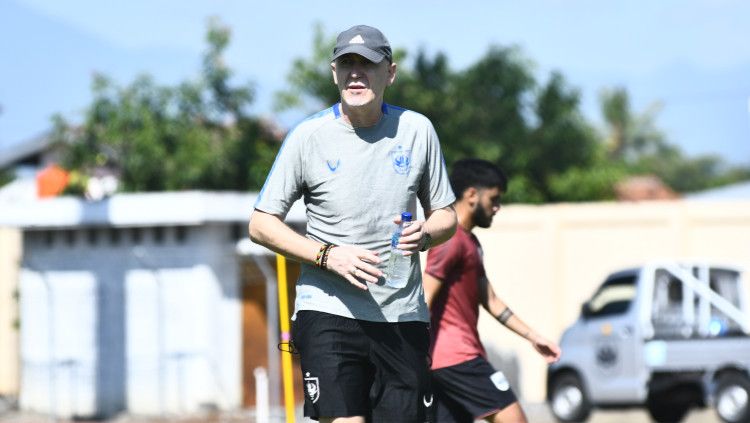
point(692, 56)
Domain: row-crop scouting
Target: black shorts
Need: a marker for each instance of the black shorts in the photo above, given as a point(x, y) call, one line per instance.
point(358, 368)
point(470, 391)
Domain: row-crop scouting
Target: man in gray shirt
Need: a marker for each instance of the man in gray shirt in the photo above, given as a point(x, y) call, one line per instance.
point(358, 164)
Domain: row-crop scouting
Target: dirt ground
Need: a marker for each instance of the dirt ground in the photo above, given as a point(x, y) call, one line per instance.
point(537, 413)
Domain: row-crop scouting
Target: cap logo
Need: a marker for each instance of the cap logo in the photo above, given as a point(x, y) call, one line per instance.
point(357, 40)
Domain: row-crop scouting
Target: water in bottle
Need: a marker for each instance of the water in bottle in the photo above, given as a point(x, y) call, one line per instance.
point(399, 266)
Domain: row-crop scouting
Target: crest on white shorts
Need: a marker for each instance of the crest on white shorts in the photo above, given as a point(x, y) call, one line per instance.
point(312, 387)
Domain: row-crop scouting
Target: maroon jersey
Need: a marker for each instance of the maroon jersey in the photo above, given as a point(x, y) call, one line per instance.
point(455, 311)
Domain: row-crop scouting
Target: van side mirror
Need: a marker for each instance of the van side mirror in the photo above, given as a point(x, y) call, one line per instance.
point(585, 310)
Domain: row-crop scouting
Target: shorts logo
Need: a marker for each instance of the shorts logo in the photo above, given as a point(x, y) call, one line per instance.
point(500, 381)
point(426, 402)
point(401, 160)
point(312, 387)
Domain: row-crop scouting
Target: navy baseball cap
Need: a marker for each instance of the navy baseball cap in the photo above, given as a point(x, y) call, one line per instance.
point(364, 40)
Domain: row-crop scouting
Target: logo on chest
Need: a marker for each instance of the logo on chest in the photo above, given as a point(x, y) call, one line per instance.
point(333, 165)
point(401, 160)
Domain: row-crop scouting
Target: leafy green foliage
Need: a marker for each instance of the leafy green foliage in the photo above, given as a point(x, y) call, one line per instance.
point(199, 135)
point(312, 80)
point(196, 135)
point(5, 176)
point(595, 182)
point(635, 143)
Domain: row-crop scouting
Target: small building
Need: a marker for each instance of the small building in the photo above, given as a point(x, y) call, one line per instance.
point(10, 257)
point(644, 188)
point(21, 161)
point(143, 303)
point(35, 153)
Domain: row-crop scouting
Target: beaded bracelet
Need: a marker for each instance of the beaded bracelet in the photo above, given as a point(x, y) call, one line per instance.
point(324, 261)
point(321, 253)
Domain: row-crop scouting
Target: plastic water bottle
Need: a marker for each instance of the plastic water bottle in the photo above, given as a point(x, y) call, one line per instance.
point(399, 266)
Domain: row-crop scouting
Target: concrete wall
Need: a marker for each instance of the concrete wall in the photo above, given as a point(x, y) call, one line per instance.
point(143, 319)
point(10, 257)
point(545, 261)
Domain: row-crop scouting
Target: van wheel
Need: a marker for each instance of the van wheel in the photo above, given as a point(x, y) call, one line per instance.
point(568, 399)
point(733, 398)
point(666, 409)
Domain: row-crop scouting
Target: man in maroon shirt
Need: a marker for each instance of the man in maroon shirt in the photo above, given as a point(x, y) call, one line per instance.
point(466, 386)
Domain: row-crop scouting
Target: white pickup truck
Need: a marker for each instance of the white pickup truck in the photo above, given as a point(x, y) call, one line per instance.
point(666, 336)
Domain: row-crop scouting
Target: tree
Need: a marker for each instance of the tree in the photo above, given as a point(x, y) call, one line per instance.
point(5, 176)
point(196, 135)
point(630, 135)
point(494, 109)
point(638, 146)
point(310, 80)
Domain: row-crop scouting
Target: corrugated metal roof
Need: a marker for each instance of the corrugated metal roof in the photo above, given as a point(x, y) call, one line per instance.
point(141, 209)
point(729, 192)
point(15, 152)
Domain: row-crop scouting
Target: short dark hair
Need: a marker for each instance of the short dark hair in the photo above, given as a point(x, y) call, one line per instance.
point(476, 173)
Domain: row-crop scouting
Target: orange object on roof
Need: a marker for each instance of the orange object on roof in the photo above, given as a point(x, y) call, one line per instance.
point(51, 181)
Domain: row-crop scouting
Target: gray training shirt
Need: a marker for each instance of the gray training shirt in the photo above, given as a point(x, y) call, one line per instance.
point(354, 182)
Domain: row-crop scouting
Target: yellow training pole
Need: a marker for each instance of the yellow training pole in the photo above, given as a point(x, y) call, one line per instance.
point(286, 355)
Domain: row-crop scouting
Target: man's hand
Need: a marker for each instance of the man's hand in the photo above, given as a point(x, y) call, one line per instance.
point(354, 264)
point(548, 349)
point(411, 236)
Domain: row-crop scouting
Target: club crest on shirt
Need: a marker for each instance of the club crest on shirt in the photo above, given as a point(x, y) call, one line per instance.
point(401, 160)
point(312, 388)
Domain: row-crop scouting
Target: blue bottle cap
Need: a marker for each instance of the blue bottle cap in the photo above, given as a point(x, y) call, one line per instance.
point(406, 217)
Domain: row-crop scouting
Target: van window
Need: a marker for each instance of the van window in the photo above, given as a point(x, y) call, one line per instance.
point(666, 313)
point(678, 312)
point(726, 283)
point(613, 297)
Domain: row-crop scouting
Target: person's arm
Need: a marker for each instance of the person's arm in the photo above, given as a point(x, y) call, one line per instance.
point(352, 263)
point(500, 311)
point(441, 261)
point(439, 227)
